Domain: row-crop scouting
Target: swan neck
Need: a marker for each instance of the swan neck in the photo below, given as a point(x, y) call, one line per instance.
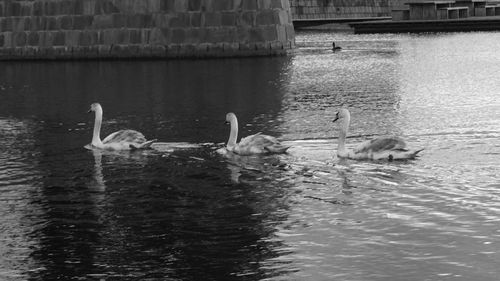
point(231, 142)
point(96, 138)
point(344, 127)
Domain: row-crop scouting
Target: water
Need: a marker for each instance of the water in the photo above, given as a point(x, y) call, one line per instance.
point(192, 214)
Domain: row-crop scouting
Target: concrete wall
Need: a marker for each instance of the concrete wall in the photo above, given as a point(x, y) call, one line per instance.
point(341, 9)
point(80, 29)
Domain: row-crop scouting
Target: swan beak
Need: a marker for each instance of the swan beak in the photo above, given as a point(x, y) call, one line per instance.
point(225, 122)
point(336, 118)
point(90, 110)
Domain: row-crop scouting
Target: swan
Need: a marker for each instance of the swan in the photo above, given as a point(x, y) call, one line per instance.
point(334, 48)
point(390, 148)
point(253, 144)
point(120, 140)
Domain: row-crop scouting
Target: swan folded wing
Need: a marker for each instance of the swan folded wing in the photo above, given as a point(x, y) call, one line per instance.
point(258, 140)
point(381, 144)
point(257, 144)
point(129, 136)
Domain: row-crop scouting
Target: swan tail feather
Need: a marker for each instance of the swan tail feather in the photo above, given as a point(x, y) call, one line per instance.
point(144, 145)
point(277, 148)
point(416, 152)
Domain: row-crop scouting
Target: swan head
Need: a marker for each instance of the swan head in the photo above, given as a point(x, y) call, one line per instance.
point(230, 117)
point(95, 107)
point(342, 115)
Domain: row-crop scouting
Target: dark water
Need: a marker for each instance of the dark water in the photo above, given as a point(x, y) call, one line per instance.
point(191, 214)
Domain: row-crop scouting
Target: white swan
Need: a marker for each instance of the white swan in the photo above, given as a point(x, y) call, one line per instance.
point(389, 148)
point(120, 140)
point(253, 144)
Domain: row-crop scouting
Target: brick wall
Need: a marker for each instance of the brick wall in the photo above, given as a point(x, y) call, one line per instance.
point(79, 29)
point(341, 9)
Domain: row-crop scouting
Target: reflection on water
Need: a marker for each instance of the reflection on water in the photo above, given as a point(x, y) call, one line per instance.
point(184, 212)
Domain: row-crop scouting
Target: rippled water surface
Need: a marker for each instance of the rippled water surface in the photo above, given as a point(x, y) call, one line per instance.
point(185, 212)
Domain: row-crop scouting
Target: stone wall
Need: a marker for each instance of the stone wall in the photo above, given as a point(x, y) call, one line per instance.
point(341, 9)
point(81, 29)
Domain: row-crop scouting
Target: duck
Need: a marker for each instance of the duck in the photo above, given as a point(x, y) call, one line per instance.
point(335, 48)
point(119, 140)
point(382, 148)
point(251, 145)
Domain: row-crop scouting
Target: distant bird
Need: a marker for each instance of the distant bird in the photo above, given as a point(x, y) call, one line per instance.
point(382, 148)
point(334, 48)
point(120, 140)
point(253, 144)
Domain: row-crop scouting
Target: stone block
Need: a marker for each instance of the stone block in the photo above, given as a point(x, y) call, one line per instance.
point(290, 33)
point(108, 37)
point(247, 18)
point(263, 4)
point(88, 7)
point(202, 48)
point(179, 20)
point(228, 19)
point(181, 6)
point(167, 5)
point(65, 22)
point(15, 9)
point(281, 33)
point(2, 40)
point(7, 38)
point(266, 17)
point(284, 17)
point(216, 35)
point(156, 37)
point(103, 22)
point(172, 50)
point(216, 49)
point(6, 24)
point(187, 50)
point(212, 19)
point(72, 38)
point(19, 39)
point(50, 23)
point(37, 8)
point(26, 8)
point(135, 36)
point(104, 51)
point(195, 35)
point(17, 24)
point(195, 19)
point(249, 5)
point(276, 45)
point(33, 39)
point(194, 5)
point(230, 47)
point(178, 35)
point(223, 5)
point(255, 35)
point(105, 7)
point(45, 38)
point(123, 36)
point(166, 35)
point(262, 46)
point(85, 38)
point(145, 34)
point(158, 51)
point(85, 21)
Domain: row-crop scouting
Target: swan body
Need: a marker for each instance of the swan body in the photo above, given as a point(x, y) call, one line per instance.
point(253, 144)
point(119, 140)
point(382, 148)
